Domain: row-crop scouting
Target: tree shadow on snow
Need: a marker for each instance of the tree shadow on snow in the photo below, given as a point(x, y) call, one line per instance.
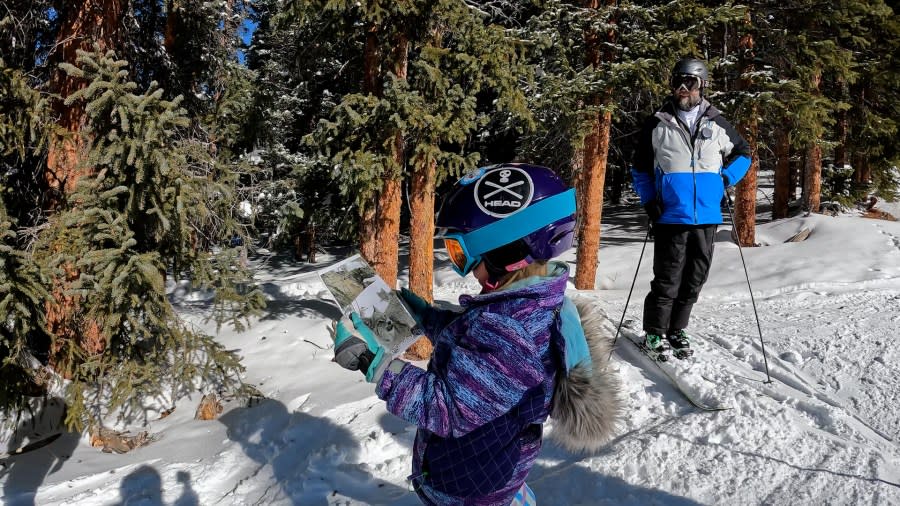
point(38, 447)
point(280, 304)
point(311, 459)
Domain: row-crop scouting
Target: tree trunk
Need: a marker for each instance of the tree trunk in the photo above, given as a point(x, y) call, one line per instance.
point(311, 238)
point(783, 188)
point(421, 242)
point(391, 199)
point(745, 191)
point(745, 194)
point(83, 25)
point(812, 187)
point(617, 184)
point(171, 24)
point(368, 238)
point(865, 170)
point(861, 179)
point(596, 153)
point(841, 128)
point(596, 149)
point(371, 62)
point(388, 230)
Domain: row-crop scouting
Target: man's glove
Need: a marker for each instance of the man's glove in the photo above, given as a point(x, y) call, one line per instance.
point(356, 349)
point(418, 306)
point(654, 210)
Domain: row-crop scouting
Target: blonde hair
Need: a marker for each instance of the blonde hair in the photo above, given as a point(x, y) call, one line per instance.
point(536, 268)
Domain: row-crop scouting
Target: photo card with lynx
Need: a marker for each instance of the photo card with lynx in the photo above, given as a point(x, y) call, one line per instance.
point(357, 288)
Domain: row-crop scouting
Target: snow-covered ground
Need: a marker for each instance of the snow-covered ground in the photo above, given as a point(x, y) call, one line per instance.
point(826, 430)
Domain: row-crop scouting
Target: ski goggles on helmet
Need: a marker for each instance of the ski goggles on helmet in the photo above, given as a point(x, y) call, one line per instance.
point(463, 261)
point(466, 249)
point(688, 81)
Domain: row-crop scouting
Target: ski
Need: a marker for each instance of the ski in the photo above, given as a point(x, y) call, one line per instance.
point(672, 378)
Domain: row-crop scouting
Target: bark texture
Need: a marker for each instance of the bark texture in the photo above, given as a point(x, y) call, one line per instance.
point(784, 188)
point(85, 25)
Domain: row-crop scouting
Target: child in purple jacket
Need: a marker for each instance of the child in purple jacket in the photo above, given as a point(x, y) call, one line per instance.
point(514, 355)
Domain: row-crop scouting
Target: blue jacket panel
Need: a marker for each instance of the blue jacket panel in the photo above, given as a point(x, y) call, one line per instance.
point(684, 173)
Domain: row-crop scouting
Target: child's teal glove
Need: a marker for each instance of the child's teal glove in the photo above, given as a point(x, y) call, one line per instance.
point(355, 348)
point(417, 305)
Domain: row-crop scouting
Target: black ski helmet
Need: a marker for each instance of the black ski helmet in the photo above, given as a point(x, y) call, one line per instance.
point(690, 66)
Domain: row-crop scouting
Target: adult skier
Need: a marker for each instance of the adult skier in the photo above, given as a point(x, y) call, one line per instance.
point(685, 158)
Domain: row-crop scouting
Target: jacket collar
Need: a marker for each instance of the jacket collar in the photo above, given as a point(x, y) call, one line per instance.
point(552, 286)
point(667, 111)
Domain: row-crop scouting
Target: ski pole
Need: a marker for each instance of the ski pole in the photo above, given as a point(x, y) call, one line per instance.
point(628, 299)
point(752, 300)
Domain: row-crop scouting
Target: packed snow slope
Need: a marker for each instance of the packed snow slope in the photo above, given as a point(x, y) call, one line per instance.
point(825, 430)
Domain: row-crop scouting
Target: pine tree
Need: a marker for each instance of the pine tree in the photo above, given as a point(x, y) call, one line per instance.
point(747, 118)
point(297, 83)
point(150, 192)
point(425, 116)
point(459, 60)
point(874, 37)
point(86, 22)
point(23, 133)
point(362, 136)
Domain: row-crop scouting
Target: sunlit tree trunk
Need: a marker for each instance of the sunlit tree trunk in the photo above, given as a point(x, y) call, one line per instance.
point(812, 188)
point(83, 25)
point(595, 156)
point(745, 191)
point(421, 242)
point(387, 221)
point(596, 152)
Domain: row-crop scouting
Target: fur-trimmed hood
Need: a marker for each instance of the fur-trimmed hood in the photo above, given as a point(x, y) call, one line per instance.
point(587, 400)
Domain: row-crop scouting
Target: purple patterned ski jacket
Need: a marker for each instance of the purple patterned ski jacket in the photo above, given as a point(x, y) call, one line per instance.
point(488, 389)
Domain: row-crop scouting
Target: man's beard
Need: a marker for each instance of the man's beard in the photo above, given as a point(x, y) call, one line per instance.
point(687, 103)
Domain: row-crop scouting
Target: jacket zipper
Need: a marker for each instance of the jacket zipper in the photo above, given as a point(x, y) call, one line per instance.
point(689, 140)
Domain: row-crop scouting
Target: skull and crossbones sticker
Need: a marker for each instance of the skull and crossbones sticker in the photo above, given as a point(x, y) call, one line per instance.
point(503, 191)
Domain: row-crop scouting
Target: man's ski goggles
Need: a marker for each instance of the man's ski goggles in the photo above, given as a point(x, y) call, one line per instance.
point(465, 250)
point(689, 82)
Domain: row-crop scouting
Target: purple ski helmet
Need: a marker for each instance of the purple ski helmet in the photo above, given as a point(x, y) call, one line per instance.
point(495, 206)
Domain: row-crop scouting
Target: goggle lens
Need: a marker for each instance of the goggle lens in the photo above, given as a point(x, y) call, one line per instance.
point(689, 82)
point(457, 253)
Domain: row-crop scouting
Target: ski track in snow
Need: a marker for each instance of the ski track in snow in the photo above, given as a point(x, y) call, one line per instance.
point(834, 449)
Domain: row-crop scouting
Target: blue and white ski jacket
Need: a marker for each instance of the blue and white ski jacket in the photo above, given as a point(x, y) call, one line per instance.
point(683, 173)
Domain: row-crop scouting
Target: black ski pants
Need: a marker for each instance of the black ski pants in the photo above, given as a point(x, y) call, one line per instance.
point(682, 255)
